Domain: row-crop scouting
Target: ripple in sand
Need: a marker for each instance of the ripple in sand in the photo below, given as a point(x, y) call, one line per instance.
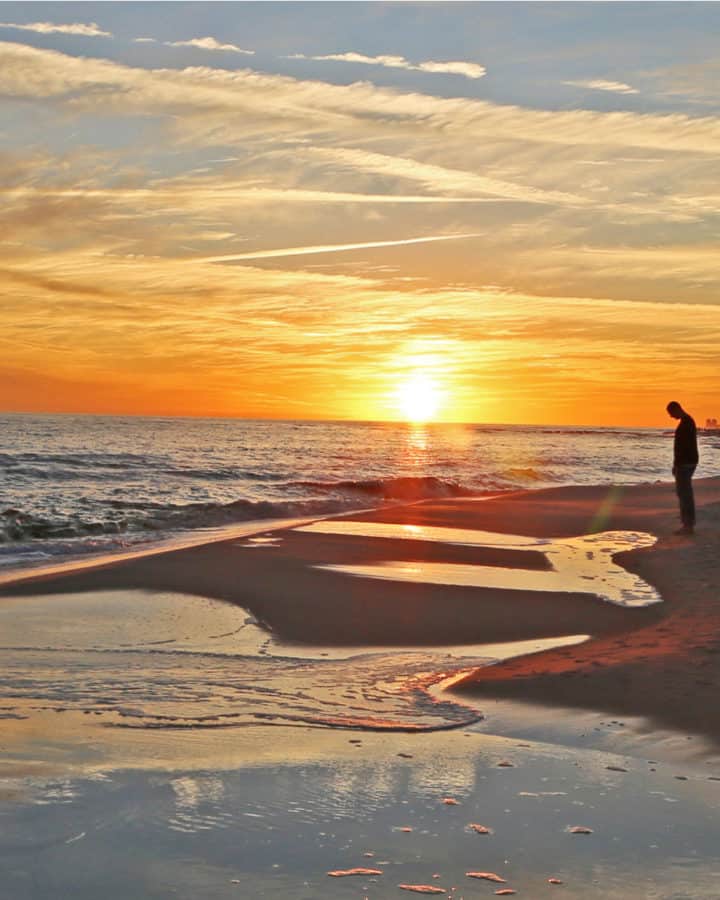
point(579, 565)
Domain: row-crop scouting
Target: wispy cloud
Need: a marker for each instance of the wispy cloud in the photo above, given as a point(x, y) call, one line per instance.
point(329, 248)
point(230, 104)
point(209, 43)
point(145, 40)
point(138, 335)
point(697, 82)
point(189, 195)
point(90, 29)
point(451, 67)
point(439, 178)
point(597, 84)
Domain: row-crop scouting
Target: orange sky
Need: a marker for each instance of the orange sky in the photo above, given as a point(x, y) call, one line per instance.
point(219, 233)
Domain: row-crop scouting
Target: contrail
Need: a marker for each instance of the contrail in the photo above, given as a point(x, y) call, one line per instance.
point(327, 248)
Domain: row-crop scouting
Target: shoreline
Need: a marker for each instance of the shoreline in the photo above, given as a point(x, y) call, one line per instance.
point(675, 643)
point(184, 539)
point(187, 538)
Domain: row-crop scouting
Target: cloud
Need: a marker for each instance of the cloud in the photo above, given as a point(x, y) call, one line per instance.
point(439, 178)
point(90, 29)
point(302, 176)
point(616, 87)
point(696, 82)
point(259, 340)
point(330, 248)
point(208, 43)
point(457, 67)
point(129, 263)
point(232, 104)
point(212, 198)
point(145, 40)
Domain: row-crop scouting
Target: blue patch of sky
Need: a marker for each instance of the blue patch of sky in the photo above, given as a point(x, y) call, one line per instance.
point(28, 124)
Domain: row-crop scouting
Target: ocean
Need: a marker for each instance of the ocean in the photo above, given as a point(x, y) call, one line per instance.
point(73, 485)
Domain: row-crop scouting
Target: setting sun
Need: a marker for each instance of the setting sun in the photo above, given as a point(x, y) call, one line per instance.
point(418, 398)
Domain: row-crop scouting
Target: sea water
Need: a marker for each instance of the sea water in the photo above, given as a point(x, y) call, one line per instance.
point(72, 485)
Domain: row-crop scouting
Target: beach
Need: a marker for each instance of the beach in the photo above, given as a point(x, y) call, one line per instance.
point(359, 362)
point(240, 717)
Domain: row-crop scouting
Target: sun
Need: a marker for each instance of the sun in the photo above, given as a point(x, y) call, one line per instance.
point(418, 398)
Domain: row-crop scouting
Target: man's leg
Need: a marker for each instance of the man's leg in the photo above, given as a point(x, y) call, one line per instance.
point(686, 498)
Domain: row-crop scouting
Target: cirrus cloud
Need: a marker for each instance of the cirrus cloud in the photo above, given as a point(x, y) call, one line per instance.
point(451, 67)
point(90, 29)
point(209, 101)
point(598, 84)
point(209, 43)
point(331, 248)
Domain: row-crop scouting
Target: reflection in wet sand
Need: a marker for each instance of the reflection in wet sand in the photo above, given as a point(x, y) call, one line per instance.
point(277, 830)
point(579, 565)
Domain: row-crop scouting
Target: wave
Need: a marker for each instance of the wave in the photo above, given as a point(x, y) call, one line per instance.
point(118, 517)
point(76, 460)
point(109, 466)
point(600, 431)
point(411, 487)
point(527, 473)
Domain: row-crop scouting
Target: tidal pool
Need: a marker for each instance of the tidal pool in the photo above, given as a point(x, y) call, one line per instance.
point(577, 565)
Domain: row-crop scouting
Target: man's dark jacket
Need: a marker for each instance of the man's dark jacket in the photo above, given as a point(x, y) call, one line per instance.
point(686, 449)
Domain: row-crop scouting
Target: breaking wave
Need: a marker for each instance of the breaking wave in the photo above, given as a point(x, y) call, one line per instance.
point(409, 488)
point(128, 517)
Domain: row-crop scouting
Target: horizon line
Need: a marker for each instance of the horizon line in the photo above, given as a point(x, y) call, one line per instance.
point(348, 421)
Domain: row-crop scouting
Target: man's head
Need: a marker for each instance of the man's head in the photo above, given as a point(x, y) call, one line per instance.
point(674, 409)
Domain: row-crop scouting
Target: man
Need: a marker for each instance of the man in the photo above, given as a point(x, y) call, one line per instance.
point(685, 460)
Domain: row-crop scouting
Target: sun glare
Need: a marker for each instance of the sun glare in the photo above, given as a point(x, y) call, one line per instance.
point(418, 398)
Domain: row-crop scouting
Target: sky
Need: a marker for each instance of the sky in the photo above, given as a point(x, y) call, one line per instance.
point(474, 212)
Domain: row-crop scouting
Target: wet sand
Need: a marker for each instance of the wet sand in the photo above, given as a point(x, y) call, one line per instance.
point(665, 669)
point(618, 734)
point(661, 661)
point(307, 805)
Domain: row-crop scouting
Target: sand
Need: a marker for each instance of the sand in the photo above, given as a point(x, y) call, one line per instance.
point(662, 662)
point(617, 732)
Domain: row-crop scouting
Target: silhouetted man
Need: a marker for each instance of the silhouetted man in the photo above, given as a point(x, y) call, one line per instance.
point(685, 460)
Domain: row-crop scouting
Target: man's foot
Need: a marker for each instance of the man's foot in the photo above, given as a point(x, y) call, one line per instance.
point(685, 529)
